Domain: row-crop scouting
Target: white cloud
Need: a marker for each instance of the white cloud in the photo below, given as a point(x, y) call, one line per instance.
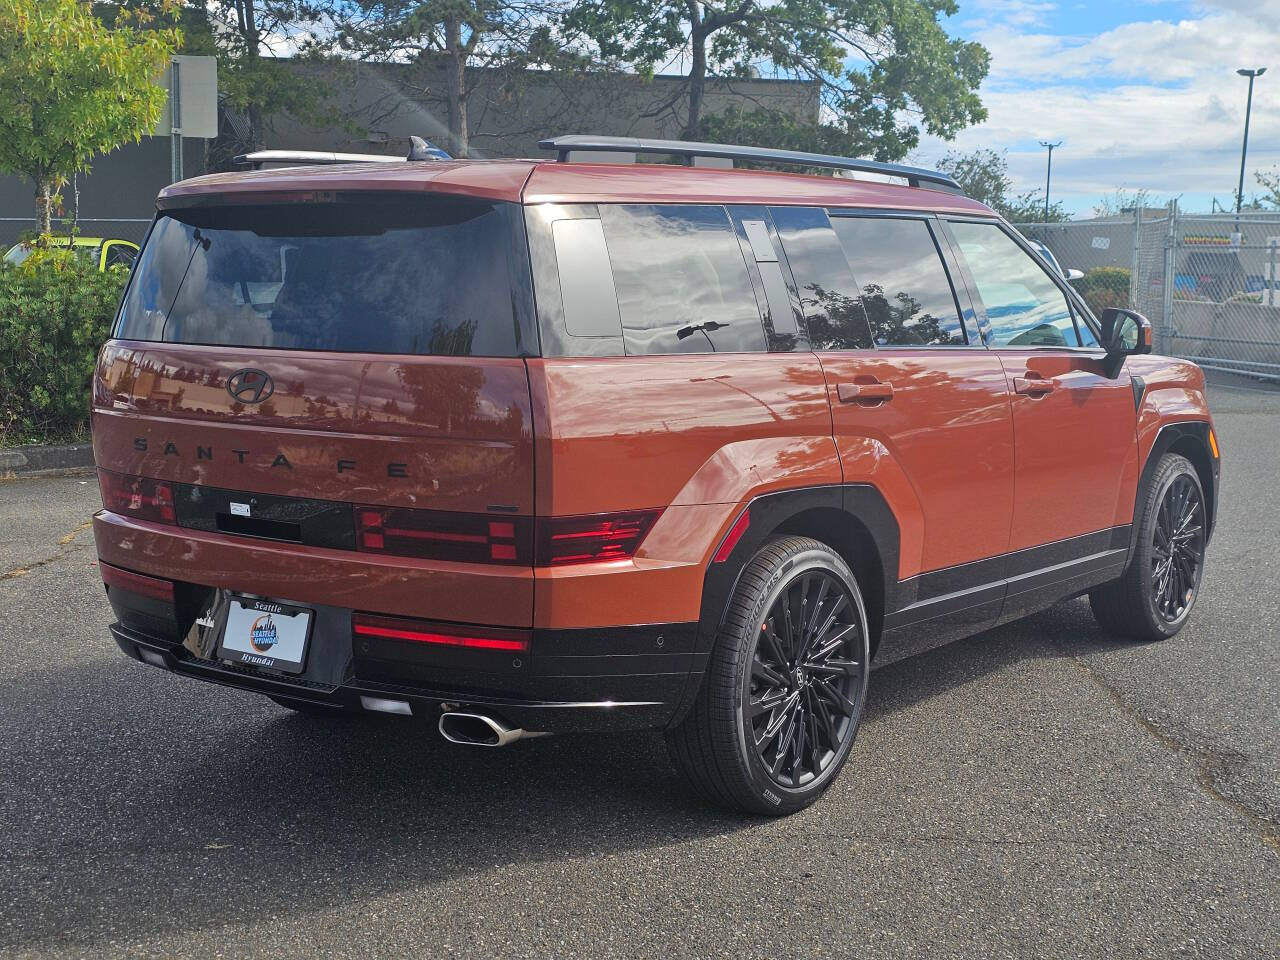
point(1153, 104)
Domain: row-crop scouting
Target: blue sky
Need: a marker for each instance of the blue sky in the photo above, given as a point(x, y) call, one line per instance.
point(1142, 93)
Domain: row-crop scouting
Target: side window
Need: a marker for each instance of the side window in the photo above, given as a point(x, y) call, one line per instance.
point(586, 280)
point(904, 285)
point(1024, 306)
point(1083, 331)
point(681, 280)
point(120, 254)
point(832, 303)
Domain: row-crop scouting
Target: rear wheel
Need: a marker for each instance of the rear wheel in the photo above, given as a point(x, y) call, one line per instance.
point(1154, 597)
point(783, 696)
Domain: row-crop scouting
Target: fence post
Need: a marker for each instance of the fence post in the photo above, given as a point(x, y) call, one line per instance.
point(1170, 275)
point(1136, 265)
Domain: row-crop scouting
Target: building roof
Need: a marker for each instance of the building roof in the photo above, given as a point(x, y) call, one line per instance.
point(540, 181)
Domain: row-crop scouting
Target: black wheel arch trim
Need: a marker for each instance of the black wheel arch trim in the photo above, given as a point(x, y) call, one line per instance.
point(1209, 471)
point(862, 504)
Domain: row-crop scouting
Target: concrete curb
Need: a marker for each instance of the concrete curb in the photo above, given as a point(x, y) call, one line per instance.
point(39, 460)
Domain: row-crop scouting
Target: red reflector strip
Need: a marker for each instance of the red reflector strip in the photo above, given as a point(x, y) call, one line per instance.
point(363, 625)
point(732, 537)
point(138, 583)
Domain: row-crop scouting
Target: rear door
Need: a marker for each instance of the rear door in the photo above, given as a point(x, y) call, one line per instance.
point(305, 361)
point(919, 408)
point(1075, 425)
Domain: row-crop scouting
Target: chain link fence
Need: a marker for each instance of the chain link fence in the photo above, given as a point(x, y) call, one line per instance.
point(1210, 284)
point(13, 229)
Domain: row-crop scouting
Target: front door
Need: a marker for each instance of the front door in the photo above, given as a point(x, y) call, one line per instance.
point(1074, 426)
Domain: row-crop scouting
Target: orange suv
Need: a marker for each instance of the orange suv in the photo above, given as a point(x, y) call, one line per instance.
point(525, 447)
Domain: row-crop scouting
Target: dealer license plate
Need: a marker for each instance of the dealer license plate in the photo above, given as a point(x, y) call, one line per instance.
point(263, 633)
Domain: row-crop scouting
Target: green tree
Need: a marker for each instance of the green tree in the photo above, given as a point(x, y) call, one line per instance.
point(1124, 200)
point(262, 47)
point(882, 68)
point(984, 175)
point(70, 89)
point(1269, 180)
point(506, 37)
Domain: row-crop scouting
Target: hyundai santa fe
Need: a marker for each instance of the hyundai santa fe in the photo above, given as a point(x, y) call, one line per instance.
point(519, 446)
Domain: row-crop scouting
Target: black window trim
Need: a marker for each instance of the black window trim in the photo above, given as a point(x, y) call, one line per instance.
point(738, 214)
point(1075, 303)
point(941, 239)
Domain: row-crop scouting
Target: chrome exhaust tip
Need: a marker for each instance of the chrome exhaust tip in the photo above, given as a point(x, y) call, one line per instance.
point(478, 730)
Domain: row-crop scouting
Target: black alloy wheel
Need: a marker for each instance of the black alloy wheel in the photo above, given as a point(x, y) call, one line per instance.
point(1153, 598)
point(1177, 549)
point(784, 690)
point(805, 686)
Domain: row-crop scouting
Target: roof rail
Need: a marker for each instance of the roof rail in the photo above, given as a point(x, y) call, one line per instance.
point(915, 176)
point(259, 157)
point(419, 149)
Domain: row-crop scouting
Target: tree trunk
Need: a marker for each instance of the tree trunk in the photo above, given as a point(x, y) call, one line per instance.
point(44, 204)
point(247, 18)
point(697, 83)
point(457, 87)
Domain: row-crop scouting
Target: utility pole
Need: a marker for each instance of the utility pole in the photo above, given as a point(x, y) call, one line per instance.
point(1244, 150)
point(1048, 175)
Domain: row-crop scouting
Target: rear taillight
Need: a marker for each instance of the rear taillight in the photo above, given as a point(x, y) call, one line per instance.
point(483, 538)
point(440, 535)
point(438, 634)
point(145, 586)
point(139, 497)
point(609, 536)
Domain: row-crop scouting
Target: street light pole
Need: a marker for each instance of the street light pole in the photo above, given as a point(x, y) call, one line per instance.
point(1244, 150)
point(1048, 175)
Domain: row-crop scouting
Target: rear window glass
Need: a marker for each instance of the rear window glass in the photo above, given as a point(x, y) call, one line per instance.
point(397, 275)
point(681, 279)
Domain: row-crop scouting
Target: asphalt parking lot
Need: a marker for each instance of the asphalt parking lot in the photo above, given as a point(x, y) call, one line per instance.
point(1040, 791)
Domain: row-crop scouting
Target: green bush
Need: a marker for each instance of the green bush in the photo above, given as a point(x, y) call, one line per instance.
point(55, 312)
point(1104, 287)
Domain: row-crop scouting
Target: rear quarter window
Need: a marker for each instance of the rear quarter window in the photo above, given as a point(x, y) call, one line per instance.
point(681, 280)
point(399, 275)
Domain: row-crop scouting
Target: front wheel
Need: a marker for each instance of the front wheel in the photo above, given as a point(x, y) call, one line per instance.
point(784, 691)
point(1154, 597)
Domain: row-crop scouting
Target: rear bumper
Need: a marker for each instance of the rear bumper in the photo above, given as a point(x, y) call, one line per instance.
point(610, 697)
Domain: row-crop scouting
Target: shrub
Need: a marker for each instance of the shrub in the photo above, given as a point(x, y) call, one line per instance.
point(56, 310)
point(1104, 287)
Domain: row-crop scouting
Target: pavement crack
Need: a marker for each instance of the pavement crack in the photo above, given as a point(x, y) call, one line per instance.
point(1205, 762)
point(65, 543)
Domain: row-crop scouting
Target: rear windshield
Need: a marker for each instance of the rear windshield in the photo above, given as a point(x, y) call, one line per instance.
point(394, 275)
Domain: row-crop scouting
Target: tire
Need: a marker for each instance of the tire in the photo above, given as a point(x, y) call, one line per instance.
point(759, 739)
point(1154, 597)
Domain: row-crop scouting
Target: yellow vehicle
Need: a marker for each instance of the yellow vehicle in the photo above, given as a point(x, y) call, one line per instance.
point(104, 251)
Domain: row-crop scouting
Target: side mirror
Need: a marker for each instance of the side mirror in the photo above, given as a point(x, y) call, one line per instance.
point(1124, 333)
point(1073, 274)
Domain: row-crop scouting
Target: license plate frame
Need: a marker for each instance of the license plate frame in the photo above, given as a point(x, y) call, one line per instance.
point(254, 627)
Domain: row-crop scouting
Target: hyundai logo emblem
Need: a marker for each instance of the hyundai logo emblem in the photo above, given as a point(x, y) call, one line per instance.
point(250, 385)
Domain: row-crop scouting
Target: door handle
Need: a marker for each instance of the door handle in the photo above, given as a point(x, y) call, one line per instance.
point(1032, 385)
point(861, 392)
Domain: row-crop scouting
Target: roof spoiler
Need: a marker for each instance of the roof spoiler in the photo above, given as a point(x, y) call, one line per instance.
point(915, 176)
point(419, 149)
